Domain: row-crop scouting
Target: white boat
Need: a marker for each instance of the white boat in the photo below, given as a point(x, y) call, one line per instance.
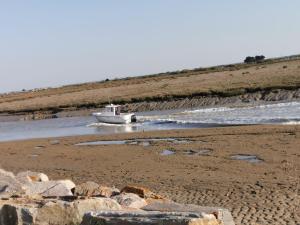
point(112, 114)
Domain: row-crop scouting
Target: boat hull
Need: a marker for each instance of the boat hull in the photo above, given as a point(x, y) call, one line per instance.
point(120, 119)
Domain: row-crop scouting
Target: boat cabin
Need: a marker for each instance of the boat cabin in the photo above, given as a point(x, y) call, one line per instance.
point(112, 114)
point(113, 109)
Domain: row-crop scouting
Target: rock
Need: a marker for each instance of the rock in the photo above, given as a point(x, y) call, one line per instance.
point(51, 188)
point(25, 211)
point(135, 205)
point(95, 204)
point(130, 200)
point(222, 214)
point(141, 191)
point(93, 189)
point(68, 183)
point(51, 212)
point(28, 215)
point(8, 215)
point(9, 185)
point(13, 214)
point(87, 189)
point(108, 191)
point(148, 218)
point(57, 213)
point(29, 176)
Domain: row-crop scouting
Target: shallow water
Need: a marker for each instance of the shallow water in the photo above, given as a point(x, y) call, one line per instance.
point(282, 113)
point(279, 113)
point(101, 143)
point(248, 158)
point(144, 142)
point(202, 152)
point(167, 152)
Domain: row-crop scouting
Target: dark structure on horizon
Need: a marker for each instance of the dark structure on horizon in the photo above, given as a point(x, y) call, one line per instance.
point(256, 59)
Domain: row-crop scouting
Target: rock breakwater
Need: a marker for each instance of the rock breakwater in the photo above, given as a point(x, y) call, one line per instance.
point(31, 198)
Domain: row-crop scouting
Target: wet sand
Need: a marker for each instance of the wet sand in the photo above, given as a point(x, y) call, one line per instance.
point(256, 193)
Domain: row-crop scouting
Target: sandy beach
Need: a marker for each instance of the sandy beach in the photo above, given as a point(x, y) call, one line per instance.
point(201, 170)
point(150, 113)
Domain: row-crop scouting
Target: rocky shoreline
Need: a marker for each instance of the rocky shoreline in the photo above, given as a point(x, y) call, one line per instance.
point(31, 198)
point(265, 96)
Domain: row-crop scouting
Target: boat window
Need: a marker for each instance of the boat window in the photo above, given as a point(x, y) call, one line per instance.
point(118, 111)
point(112, 109)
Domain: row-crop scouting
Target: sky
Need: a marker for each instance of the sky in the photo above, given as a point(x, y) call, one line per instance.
point(57, 42)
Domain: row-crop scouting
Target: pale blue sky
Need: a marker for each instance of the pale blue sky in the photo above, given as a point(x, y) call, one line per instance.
point(56, 42)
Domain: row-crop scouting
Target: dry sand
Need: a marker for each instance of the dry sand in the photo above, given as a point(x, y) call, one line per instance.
point(256, 193)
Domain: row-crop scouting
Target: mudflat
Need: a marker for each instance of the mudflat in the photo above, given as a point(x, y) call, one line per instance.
point(200, 166)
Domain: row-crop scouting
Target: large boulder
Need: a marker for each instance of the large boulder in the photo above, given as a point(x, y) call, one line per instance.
point(58, 188)
point(9, 185)
point(56, 213)
point(222, 214)
point(130, 200)
point(95, 205)
point(148, 218)
point(17, 214)
point(51, 211)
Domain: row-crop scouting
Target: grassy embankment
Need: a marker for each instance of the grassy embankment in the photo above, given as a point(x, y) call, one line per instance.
point(225, 80)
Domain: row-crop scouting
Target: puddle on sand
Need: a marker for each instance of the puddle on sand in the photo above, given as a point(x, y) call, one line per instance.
point(172, 140)
point(167, 152)
point(248, 158)
point(204, 152)
point(101, 143)
point(144, 142)
point(181, 141)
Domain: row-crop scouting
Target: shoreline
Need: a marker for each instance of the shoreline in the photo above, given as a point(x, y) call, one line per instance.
point(212, 179)
point(254, 98)
point(272, 80)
